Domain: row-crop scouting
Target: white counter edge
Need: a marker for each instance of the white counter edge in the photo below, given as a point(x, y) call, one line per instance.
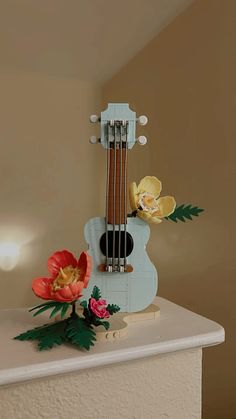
point(47, 369)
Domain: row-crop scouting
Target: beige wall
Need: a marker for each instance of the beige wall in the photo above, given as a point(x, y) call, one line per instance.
point(48, 185)
point(126, 390)
point(184, 80)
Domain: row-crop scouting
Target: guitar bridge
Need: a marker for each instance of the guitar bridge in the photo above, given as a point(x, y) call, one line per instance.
point(115, 268)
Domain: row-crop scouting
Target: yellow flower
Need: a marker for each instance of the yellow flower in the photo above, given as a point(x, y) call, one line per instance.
point(144, 199)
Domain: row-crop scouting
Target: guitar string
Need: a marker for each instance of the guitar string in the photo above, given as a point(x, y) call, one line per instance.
point(120, 195)
point(107, 192)
point(114, 200)
point(125, 193)
point(114, 195)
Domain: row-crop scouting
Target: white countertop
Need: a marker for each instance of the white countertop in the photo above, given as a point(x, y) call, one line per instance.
point(176, 329)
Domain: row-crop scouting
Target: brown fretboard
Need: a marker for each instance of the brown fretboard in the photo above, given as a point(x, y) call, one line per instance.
point(117, 186)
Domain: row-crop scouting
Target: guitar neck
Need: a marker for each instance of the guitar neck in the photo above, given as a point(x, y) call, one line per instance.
point(118, 126)
point(117, 186)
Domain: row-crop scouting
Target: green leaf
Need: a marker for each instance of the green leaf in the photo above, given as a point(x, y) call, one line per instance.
point(80, 333)
point(96, 293)
point(88, 316)
point(59, 307)
point(42, 310)
point(56, 305)
point(100, 322)
point(54, 334)
point(48, 335)
point(48, 303)
point(112, 308)
point(184, 212)
point(31, 334)
point(106, 324)
point(84, 304)
point(64, 310)
point(43, 307)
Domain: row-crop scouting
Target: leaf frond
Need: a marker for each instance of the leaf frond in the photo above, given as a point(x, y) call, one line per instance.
point(96, 293)
point(58, 307)
point(80, 333)
point(48, 304)
point(48, 335)
point(84, 304)
point(184, 212)
point(113, 308)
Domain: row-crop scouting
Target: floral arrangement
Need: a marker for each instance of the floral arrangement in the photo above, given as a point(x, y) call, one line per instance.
point(146, 203)
point(64, 288)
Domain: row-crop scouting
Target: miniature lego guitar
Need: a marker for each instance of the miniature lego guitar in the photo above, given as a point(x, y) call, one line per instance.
point(121, 266)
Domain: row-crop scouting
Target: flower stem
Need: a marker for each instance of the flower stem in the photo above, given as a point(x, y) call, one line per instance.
point(133, 214)
point(73, 308)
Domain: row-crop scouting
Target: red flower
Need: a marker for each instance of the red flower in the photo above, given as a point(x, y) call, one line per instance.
point(68, 277)
point(98, 307)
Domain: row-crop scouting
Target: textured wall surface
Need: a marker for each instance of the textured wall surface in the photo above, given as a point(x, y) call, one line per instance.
point(160, 387)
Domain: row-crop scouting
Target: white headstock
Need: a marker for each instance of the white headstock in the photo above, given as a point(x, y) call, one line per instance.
point(119, 117)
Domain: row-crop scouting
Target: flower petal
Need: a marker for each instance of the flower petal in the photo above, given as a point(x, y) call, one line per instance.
point(60, 259)
point(166, 206)
point(66, 298)
point(41, 288)
point(85, 267)
point(146, 216)
point(103, 302)
point(76, 288)
point(133, 191)
point(150, 184)
point(65, 295)
point(155, 220)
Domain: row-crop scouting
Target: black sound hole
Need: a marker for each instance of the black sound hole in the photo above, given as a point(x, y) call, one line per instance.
point(129, 244)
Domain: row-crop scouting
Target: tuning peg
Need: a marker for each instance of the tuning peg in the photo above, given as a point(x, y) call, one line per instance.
point(93, 118)
point(142, 140)
point(142, 120)
point(93, 139)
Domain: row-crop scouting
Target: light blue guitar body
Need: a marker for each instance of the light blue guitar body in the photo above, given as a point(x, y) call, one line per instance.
point(132, 291)
point(117, 243)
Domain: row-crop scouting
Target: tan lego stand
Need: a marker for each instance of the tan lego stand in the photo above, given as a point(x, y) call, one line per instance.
point(119, 323)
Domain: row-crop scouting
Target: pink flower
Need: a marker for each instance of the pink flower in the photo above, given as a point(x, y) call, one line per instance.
point(68, 277)
point(99, 308)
